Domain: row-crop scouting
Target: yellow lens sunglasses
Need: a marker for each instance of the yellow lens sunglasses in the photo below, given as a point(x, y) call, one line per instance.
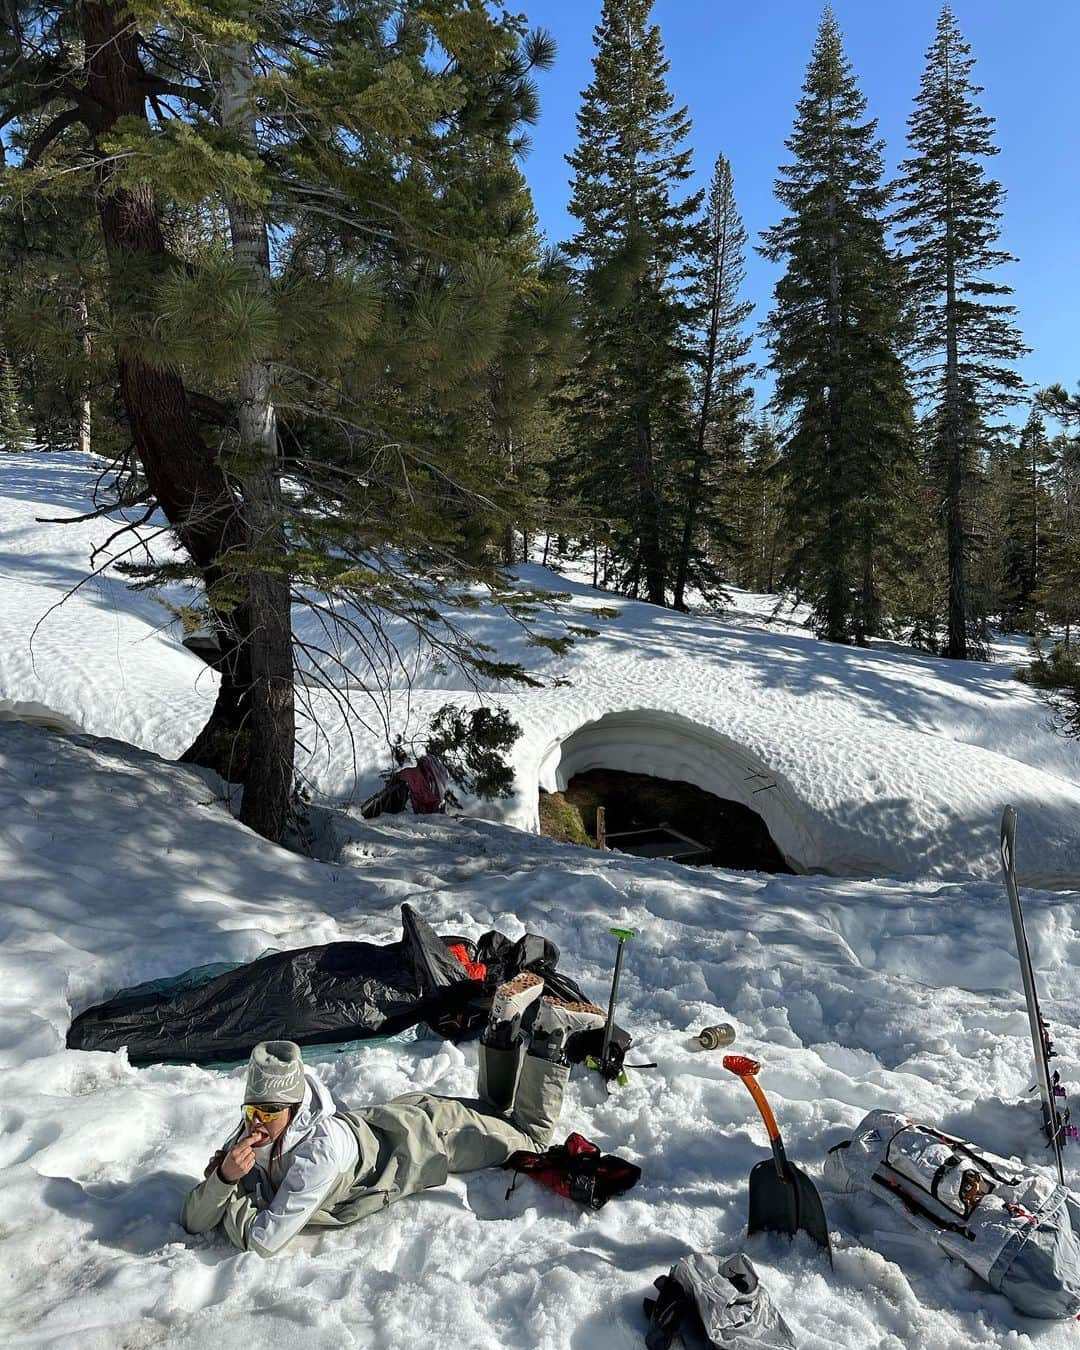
point(263, 1114)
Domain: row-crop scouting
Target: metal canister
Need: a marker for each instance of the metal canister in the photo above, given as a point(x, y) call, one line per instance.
point(715, 1038)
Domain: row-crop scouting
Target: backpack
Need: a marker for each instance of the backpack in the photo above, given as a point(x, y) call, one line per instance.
point(428, 785)
point(1015, 1227)
point(576, 1169)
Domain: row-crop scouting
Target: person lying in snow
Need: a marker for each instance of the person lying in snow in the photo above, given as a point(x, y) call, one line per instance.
point(297, 1160)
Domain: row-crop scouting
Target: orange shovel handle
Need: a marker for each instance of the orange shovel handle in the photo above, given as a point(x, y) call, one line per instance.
point(746, 1069)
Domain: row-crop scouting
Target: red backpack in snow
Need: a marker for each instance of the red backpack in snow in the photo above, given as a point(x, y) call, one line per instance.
point(578, 1170)
point(428, 784)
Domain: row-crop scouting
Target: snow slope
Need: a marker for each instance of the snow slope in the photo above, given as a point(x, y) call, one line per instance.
point(863, 763)
point(107, 659)
point(115, 867)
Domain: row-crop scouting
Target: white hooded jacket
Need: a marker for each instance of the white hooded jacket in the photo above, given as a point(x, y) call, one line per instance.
point(318, 1153)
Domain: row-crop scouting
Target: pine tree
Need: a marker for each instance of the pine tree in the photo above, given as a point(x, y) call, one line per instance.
point(1058, 597)
point(12, 428)
point(833, 338)
point(630, 397)
point(722, 396)
point(964, 335)
point(765, 560)
point(1025, 508)
point(382, 172)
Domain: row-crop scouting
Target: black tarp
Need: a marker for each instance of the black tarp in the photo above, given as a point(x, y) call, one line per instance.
point(342, 991)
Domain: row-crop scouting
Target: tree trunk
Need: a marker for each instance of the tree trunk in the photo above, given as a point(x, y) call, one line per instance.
point(837, 594)
point(952, 431)
point(508, 529)
point(271, 701)
point(717, 268)
point(183, 472)
point(83, 316)
point(651, 550)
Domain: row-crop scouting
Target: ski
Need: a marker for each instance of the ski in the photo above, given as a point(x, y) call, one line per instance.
point(1054, 1100)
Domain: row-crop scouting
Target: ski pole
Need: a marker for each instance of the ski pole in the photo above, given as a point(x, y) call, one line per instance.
point(623, 934)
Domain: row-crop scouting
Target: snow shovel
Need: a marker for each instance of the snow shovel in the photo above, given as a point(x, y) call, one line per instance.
point(783, 1199)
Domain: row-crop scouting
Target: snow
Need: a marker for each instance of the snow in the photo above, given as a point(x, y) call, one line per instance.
point(107, 659)
point(117, 867)
point(893, 985)
point(884, 762)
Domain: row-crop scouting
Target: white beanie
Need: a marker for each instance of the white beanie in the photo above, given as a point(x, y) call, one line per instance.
point(275, 1074)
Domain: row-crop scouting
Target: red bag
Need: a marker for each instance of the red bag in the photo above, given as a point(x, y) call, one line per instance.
point(427, 784)
point(578, 1170)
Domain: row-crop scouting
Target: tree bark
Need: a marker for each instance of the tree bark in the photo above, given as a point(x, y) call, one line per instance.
point(88, 350)
point(652, 557)
point(953, 435)
point(208, 514)
point(271, 698)
point(718, 263)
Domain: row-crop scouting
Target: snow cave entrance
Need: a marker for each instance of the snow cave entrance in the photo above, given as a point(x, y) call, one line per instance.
point(668, 788)
point(38, 715)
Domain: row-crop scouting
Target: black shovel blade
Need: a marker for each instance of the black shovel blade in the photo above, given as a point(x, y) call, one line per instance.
point(787, 1204)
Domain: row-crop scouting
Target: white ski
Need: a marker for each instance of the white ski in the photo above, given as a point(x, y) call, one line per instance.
point(1056, 1122)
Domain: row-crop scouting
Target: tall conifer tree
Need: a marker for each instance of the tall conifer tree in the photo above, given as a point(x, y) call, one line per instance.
point(372, 139)
point(764, 523)
point(630, 399)
point(964, 336)
point(12, 430)
point(833, 335)
point(722, 396)
point(1025, 511)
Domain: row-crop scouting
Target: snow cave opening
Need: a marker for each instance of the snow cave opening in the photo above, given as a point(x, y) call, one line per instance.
point(652, 817)
point(37, 715)
point(670, 788)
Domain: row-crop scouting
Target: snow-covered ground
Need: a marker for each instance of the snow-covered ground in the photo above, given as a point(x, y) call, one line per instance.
point(116, 866)
point(862, 763)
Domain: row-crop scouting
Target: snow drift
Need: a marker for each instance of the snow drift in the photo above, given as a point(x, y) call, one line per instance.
point(117, 867)
point(871, 763)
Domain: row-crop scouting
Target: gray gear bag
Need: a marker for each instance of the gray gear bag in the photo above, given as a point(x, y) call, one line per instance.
point(734, 1310)
point(1012, 1225)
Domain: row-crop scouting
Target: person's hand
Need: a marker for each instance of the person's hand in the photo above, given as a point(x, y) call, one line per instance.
point(240, 1159)
point(216, 1159)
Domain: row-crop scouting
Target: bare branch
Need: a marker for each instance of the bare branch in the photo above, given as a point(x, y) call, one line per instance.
point(47, 135)
point(95, 515)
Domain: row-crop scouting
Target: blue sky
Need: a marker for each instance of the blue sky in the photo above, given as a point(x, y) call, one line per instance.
point(739, 67)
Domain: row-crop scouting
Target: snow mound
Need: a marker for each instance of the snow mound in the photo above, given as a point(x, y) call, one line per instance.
point(116, 867)
point(36, 714)
point(880, 762)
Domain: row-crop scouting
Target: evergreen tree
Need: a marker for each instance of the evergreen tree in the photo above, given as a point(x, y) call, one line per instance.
point(765, 560)
point(372, 141)
point(12, 429)
point(964, 335)
point(833, 337)
point(1058, 596)
point(722, 396)
point(630, 398)
point(1024, 512)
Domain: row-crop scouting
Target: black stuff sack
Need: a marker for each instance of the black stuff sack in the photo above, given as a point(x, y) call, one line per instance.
point(576, 1169)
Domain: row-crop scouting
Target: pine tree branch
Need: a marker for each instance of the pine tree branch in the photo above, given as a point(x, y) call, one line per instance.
point(94, 573)
point(96, 515)
point(212, 409)
point(47, 135)
point(157, 84)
